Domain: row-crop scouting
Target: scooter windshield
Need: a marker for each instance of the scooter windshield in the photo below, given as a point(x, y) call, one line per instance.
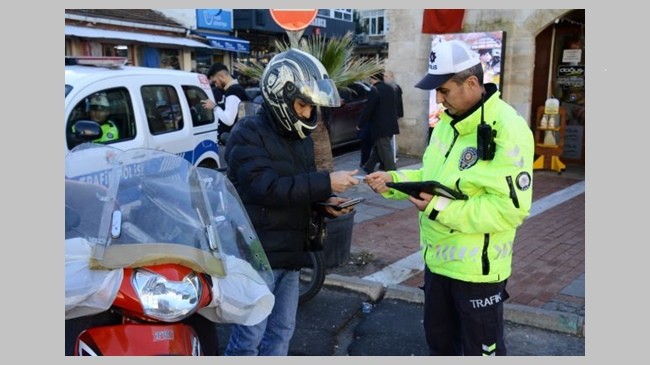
point(145, 207)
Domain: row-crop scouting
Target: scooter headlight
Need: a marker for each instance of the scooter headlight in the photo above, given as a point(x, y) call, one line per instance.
point(166, 300)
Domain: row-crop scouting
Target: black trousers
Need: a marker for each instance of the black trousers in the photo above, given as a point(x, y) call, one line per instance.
point(462, 318)
point(381, 152)
point(365, 144)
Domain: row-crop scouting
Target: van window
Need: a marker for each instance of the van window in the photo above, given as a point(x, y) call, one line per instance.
point(200, 115)
point(112, 109)
point(163, 108)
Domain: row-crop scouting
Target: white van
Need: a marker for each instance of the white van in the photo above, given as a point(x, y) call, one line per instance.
point(145, 108)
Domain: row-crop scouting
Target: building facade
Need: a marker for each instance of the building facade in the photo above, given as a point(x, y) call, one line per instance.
point(183, 39)
point(535, 54)
point(371, 33)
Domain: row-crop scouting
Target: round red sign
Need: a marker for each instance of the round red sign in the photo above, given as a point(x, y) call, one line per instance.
point(293, 19)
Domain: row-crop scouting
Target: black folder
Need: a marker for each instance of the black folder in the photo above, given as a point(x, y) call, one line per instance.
point(413, 188)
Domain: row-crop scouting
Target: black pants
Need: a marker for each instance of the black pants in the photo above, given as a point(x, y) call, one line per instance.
point(462, 318)
point(381, 152)
point(365, 144)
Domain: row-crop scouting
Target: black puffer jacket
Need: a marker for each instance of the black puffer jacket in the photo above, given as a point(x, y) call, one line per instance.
point(277, 181)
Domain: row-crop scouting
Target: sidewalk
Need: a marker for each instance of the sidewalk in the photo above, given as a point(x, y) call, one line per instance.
point(547, 286)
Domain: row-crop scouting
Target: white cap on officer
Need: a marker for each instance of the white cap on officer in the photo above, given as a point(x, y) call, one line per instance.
point(100, 100)
point(446, 59)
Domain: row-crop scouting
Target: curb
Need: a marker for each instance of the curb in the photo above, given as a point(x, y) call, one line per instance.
point(563, 322)
point(372, 289)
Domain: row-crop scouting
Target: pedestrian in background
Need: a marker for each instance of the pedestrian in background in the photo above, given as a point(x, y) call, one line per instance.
point(467, 244)
point(226, 109)
point(365, 144)
point(389, 78)
point(271, 164)
point(380, 113)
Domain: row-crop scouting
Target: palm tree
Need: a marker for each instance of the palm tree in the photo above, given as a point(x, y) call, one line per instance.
point(336, 55)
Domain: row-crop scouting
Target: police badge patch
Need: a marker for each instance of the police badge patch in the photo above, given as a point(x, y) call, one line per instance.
point(523, 181)
point(468, 158)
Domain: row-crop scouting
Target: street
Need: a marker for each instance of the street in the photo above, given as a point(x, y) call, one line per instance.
point(333, 324)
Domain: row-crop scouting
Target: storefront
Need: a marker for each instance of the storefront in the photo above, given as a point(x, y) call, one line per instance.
point(141, 49)
point(560, 55)
point(215, 27)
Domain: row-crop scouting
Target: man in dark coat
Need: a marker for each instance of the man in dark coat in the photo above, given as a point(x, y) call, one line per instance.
point(271, 164)
point(380, 113)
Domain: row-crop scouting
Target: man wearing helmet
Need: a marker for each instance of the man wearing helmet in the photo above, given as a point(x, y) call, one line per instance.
point(271, 163)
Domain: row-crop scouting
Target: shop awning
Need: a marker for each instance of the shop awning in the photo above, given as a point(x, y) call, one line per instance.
point(84, 32)
point(227, 43)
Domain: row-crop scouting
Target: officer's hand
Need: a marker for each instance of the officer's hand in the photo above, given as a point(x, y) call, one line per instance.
point(377, 181)
point(421, 203)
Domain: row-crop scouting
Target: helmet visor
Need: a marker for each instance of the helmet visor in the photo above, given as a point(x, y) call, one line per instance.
point(319, 92)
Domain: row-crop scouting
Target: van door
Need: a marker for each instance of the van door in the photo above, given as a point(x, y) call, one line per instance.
point(171, 122)
point(204, 125)
point(166, 125)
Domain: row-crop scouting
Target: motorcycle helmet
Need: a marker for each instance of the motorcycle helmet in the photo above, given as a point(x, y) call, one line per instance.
point(291, 75)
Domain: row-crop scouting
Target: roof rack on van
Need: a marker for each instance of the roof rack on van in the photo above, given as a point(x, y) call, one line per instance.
point(108, 62)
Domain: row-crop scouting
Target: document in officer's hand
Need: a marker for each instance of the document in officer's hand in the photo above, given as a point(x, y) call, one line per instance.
point(414, 188)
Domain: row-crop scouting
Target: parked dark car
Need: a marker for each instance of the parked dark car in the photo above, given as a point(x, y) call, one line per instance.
point(342, 125)
point(343, 121)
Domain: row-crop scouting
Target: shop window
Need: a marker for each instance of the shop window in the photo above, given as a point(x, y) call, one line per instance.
point(169, 59)
point(163, 109)
point(114, 50)
point(203, 61)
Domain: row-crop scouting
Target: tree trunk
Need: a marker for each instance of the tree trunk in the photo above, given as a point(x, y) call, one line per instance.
point(322, 147)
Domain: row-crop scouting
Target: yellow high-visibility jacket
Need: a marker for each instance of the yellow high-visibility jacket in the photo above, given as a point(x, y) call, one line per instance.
point(109, 132)
point(472, 240)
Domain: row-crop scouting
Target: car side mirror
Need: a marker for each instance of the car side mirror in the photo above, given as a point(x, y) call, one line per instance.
point(84, 131)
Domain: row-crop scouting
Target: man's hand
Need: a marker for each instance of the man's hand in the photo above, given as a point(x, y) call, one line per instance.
point(340, 181)
point(208, 104)
point(333, 210)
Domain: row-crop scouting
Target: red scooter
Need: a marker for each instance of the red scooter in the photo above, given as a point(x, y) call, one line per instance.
point(154, 247)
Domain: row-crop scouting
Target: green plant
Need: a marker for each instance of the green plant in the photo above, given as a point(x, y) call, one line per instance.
point(336, 54)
